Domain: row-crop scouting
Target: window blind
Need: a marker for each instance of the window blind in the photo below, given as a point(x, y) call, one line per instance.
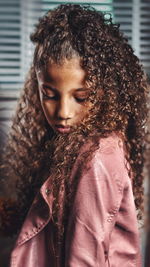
point(134, 19)
point(10, 44)
point(144, 43)
point(10, 54)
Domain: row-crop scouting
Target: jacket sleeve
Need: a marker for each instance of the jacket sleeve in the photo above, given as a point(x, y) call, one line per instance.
point(102, 229)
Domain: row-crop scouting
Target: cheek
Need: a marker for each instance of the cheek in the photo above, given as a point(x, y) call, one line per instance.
point(48, 110)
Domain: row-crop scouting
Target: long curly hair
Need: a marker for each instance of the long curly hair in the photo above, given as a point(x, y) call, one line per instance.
point(118, 93)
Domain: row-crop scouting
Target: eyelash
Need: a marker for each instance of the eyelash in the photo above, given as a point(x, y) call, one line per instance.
point(80, 100)
point(48, 97)
point(45, 96)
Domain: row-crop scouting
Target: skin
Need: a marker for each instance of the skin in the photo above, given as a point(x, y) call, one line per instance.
point(63, 94)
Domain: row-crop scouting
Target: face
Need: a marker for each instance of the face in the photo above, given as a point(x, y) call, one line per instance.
point(63, 94)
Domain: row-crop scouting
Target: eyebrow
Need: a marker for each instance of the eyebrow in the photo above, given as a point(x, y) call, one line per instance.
point(55, 89)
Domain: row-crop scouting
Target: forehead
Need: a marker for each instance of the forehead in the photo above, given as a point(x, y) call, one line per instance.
point(69, 70)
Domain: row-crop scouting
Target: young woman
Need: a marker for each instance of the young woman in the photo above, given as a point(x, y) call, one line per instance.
point(74, 158)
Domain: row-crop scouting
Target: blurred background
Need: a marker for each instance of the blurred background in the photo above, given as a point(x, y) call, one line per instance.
point(17, 20)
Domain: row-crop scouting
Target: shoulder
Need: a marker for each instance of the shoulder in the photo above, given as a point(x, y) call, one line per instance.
point(107, 161)
point(111, 153)
point(101, 183)
point(110, 145)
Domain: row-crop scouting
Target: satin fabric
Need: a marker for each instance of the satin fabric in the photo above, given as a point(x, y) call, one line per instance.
point(102, 229)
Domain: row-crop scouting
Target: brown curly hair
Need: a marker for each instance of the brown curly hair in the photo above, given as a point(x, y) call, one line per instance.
point(118, 93)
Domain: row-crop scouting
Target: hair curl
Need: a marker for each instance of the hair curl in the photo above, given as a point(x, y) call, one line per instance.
point(118, 93)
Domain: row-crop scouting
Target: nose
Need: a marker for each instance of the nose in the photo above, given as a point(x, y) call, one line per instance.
point(64, 110)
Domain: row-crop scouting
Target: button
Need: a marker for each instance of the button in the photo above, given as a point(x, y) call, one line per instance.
point(47, 191)
point(34, 230)
point(26, 233)
point(106, 255)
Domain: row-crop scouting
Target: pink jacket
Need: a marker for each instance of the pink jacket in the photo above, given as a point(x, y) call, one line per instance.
point(102, 230)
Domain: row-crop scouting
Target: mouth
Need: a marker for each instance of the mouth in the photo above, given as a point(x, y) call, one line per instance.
point(62, 129)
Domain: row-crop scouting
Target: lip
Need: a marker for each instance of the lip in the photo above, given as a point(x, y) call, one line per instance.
point(62, 128)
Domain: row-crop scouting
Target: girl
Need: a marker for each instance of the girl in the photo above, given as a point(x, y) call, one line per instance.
point(74, 157)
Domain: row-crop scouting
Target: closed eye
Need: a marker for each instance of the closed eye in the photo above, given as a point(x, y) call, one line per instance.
point(80, 99)
point(81, 96)
point(49, 95)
